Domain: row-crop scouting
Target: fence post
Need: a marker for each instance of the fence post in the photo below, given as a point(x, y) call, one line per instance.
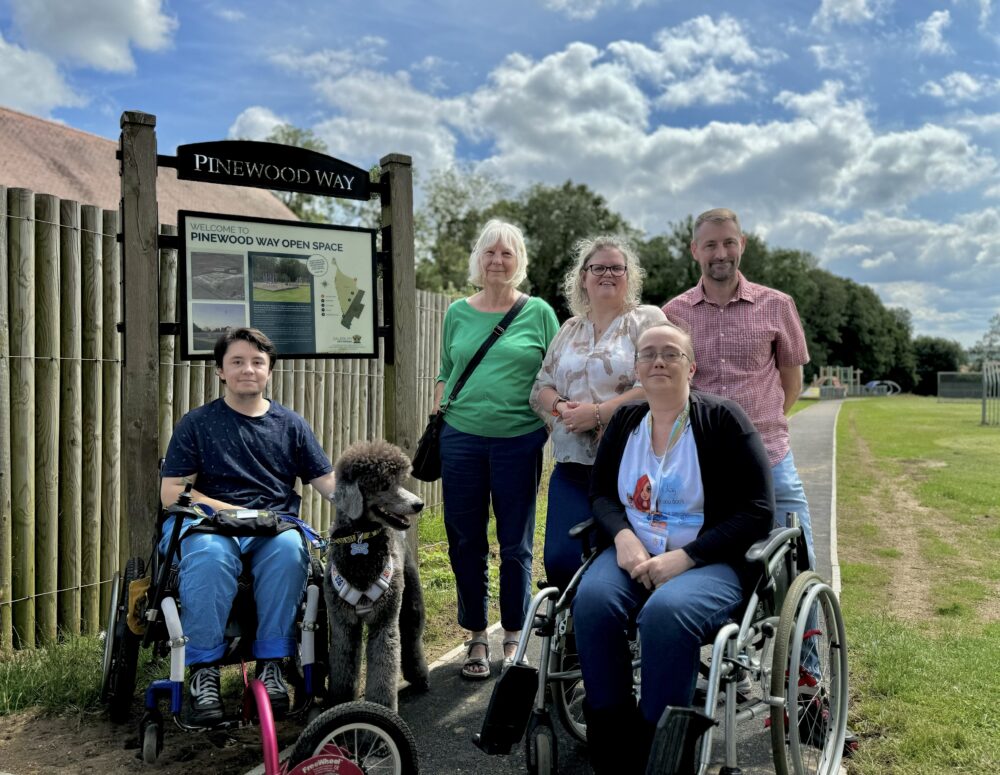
point(46, 413)
point(6, 634)
point(92, 320)
point(111, 402)
point(21, 242)
point(140, 371)
point(70, 422)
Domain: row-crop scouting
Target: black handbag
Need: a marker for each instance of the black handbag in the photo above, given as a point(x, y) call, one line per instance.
point(427, 458)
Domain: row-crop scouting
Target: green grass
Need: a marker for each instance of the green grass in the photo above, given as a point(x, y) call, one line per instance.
point(799, 405)
point(300, 294)
point(918, 510)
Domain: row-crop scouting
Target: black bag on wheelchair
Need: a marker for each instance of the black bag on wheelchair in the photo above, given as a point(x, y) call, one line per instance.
point(241, 522)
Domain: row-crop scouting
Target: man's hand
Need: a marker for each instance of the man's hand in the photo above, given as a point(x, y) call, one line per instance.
point(791, 385)
point(629, 550)
point(171, 488)
point(660, 569)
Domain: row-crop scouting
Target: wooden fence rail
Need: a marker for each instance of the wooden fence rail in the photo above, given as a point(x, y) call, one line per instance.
point(62, 531)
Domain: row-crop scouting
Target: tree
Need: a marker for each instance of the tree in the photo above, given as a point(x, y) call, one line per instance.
point(987, 348)
point(666, 258)
point(934, 354)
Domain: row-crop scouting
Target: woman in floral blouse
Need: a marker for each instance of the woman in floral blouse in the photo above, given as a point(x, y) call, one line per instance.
point(588, 371)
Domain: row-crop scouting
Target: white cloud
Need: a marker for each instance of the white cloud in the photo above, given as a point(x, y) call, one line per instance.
point(715, 59)
point(255, 123)
point(960, 86)
point(97, 33)
point(848, 11)
point(31, 82)
point(932, 33)
point(829, 57)
point(333, 63)
point(584, 10)
point(230, 14)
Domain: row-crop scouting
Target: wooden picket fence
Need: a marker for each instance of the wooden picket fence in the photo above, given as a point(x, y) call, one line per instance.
point(62, 531)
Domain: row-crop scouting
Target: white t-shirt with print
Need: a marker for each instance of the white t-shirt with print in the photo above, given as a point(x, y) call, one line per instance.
point(663, 497)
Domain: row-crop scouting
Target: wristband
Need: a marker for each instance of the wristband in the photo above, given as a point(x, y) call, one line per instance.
point(555, 412)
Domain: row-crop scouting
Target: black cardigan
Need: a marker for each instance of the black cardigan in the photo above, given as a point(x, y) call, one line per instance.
point(735, 474)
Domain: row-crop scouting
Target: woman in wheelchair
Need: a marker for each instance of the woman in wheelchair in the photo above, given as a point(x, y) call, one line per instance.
point(681, 488)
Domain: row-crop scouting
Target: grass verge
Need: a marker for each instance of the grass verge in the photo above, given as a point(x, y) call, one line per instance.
point(918, 516)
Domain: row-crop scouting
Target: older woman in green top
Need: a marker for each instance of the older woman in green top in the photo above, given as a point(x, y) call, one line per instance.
point(491, 442)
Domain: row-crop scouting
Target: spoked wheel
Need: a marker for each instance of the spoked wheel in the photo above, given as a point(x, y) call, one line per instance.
point(569, 694)
point(121, 647)
point(810, 671)
point(371, 737)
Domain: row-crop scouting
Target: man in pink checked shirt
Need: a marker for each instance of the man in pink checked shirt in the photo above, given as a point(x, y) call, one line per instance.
point(749, 346)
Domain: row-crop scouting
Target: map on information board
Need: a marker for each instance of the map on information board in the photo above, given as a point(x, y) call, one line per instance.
point(309, 287)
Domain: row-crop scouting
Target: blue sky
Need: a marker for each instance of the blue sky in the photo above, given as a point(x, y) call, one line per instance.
point(864, 131)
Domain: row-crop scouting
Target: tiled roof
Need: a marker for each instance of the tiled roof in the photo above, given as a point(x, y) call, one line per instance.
point(51, 158)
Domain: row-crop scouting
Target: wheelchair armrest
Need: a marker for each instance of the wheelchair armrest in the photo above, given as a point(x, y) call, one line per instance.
point(581, 528)
point(764, 549)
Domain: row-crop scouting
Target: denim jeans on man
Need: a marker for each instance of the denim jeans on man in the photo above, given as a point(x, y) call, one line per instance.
point(209, 568)
point(673, 621)
point(790, 496)
point(569, 504)
point(475, 472)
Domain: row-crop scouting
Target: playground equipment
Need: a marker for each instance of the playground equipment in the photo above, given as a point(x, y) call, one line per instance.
point(991, 393)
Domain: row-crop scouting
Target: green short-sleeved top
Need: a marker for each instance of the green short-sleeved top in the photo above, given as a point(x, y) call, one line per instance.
point(494, 401)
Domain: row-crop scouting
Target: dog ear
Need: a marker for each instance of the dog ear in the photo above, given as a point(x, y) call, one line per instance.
point(348, 500)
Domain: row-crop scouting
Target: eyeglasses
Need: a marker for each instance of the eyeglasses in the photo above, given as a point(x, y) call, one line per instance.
point(668, 356)
point(616, 270)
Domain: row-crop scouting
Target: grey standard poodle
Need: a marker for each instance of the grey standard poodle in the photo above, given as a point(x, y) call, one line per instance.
point(371, 581)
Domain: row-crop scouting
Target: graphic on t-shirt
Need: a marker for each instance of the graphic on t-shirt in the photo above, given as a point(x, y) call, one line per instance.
point(640, 499)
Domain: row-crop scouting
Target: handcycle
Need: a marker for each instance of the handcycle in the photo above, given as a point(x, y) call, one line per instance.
point(352, 738)
point(787, 644)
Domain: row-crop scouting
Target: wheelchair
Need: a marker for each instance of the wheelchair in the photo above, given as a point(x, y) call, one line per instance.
point(788, 640)
point(144, 613)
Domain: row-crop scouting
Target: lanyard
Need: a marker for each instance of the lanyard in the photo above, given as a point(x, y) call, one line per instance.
point(675, 436)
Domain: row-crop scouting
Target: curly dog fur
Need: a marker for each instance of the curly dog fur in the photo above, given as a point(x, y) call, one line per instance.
point(373, 508)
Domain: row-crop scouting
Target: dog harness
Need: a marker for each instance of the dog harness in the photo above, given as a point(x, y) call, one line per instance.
point(363, 601)
point(358, 541)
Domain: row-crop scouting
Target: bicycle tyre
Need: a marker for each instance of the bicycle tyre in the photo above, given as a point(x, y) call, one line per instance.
point(373, 737)
point(807, 729)
point(121, 647)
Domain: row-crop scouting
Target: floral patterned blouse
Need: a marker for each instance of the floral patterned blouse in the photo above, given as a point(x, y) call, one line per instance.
point(580, 369)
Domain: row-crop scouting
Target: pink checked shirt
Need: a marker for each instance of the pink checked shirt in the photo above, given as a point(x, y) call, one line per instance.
point(739, 347)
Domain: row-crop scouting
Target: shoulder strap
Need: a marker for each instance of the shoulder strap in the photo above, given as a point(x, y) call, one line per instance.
point(498, 329)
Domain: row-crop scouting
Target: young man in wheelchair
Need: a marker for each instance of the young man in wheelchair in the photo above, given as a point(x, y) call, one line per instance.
point(681, 488)
point(241, 451)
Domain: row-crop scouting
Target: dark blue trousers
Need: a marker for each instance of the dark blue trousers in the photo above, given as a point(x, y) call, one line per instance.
point(569, 504)
point(475, 472)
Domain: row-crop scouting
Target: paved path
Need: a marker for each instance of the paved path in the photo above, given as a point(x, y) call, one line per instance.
point(444, 719)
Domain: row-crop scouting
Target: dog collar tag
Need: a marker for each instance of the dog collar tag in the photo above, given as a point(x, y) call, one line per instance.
point(359, 547)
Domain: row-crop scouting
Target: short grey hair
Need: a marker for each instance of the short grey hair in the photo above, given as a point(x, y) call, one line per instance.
point(718, 215)
point(508, 234)
point(576, 294)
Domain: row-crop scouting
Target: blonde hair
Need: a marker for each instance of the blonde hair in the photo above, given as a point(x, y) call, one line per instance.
point(573, 285)
point(507, 234)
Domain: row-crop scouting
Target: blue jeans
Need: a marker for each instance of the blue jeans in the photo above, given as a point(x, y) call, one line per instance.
point(475, 471)
point(569, 504)
point(790, 496)
point(673, 621)
point(209, 568)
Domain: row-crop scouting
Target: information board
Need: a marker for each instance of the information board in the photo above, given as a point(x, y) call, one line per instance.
point(310, 287)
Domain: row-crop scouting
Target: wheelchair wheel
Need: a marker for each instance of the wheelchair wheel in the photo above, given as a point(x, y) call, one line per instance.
point(540, 750)
point(121, 647)
point(568, 695)
point(809, 670)
point(370, 736)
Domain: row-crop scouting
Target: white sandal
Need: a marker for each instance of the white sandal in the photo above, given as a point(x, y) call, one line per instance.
point(508, 661)
point(471, 662)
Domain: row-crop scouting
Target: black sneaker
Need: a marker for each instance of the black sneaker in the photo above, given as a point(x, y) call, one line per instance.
point(204, 697)
point(277, 691)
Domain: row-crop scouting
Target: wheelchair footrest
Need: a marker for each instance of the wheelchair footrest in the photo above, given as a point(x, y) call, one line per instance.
point(675, 742)
point(509, 709)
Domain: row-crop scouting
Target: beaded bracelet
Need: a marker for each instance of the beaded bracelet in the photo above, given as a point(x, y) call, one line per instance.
point(597, 414)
